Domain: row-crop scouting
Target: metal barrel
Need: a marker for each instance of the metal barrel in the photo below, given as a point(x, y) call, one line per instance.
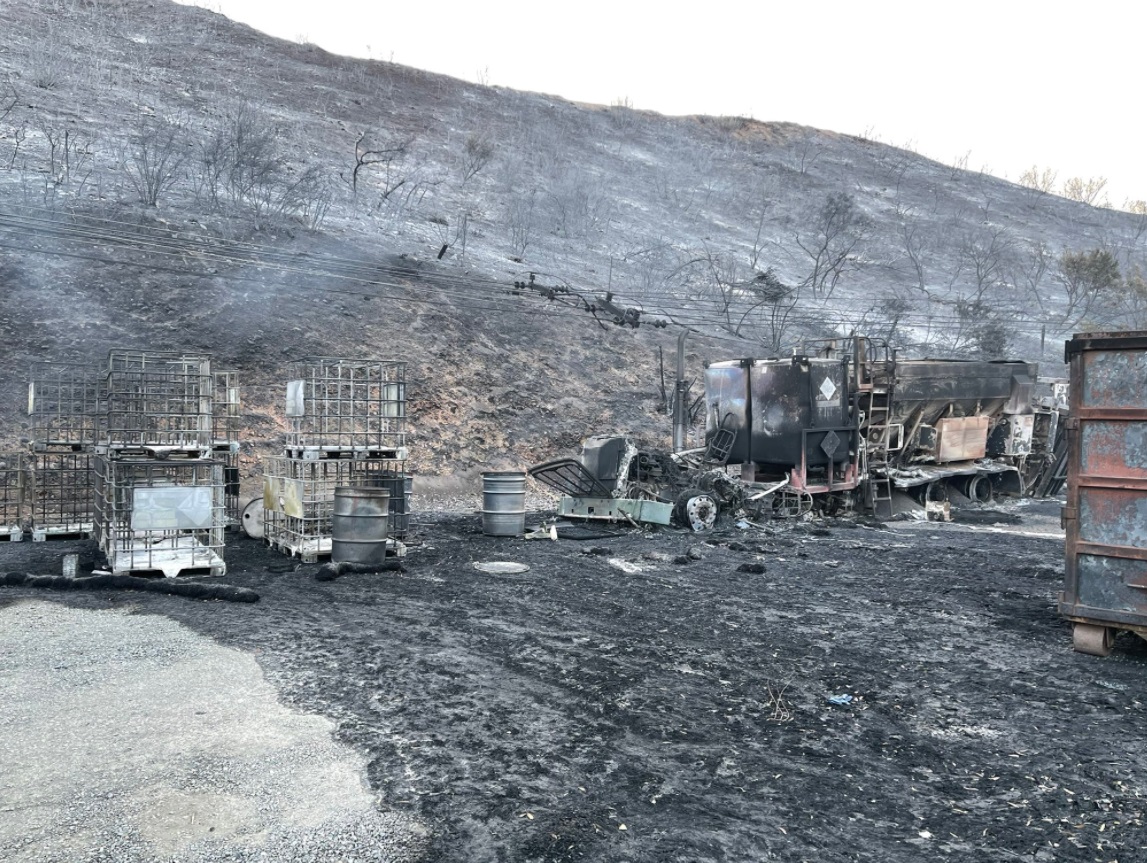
point(359, 524)
point(503, 503)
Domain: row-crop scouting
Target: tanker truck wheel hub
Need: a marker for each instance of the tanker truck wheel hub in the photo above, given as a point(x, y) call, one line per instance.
point(697, 510)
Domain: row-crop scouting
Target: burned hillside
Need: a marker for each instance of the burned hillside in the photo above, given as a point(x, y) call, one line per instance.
point(172, 179)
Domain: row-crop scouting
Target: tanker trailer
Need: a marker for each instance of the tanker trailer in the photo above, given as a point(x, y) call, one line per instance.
point(852, 427)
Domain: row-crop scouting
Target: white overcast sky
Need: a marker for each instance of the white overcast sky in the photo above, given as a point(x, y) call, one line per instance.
point(1016, 83)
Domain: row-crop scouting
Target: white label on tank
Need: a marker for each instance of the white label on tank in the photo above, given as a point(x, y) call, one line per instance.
point(827, 390)
point(171, 508)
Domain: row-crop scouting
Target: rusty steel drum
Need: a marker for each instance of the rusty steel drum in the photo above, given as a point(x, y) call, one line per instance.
point(360, 523)
point(1105, 519)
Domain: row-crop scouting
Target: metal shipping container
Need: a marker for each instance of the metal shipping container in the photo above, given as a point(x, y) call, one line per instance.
point(1105, 519)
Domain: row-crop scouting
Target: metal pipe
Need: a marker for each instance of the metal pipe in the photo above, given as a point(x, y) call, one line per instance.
point(681, 391)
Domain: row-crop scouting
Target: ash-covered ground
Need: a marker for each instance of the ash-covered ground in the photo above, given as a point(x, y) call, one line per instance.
point(793, 692)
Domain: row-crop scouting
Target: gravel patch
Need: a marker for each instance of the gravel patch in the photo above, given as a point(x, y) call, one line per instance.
point(126, 738)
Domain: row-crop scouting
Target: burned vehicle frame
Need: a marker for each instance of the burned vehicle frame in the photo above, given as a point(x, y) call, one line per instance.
point(838, 429)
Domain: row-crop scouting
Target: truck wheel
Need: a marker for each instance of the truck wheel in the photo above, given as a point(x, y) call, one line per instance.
point(1092, 639)
point(696, 510)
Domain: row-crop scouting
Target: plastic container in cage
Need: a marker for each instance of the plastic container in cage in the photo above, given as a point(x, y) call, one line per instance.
point(339, 407)
point(160, 515)
point(299, 499)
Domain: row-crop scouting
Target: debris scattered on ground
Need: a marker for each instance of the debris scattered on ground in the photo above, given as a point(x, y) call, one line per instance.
point(107, 581)
point(331, 571)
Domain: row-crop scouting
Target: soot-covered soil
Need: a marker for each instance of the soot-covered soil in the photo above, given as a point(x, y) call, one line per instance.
point(655, 696)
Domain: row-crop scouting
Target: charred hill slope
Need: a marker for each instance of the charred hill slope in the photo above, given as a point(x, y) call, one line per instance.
point(171, 179)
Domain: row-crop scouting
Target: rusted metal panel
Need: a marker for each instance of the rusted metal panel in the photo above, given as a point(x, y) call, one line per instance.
point(961, 438)
point(1105, 519)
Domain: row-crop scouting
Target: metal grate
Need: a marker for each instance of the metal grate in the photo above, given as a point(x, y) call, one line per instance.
point(62, 501)
point(63, 405)
point(225, 410)
point(12, 485)
point(346, 406)
point(299, 494)
point(158, 399)
point(154, 515)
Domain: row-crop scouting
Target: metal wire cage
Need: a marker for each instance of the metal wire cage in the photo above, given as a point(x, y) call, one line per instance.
point(62, 499)
point(349, 406)
point(12, 496)
point(157, 399)
point(225, 410)
point(299, 498)
point(63, 403)
point(160, 515)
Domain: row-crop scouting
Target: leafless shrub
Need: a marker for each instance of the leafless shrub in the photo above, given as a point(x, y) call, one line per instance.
point(582, 204)
point(154, 161)
point(985, 254)
point(838, 227)
point(70, 154)
point(1087, 191)
point(385, 160)
point(621, 114)
point(1040, 182)
point(476, 154)
point(48, 65)
point(18, 136)
point(522, 223)
point(1138, 210)
point(242, 162)
point(960, 165)
point(9, 96)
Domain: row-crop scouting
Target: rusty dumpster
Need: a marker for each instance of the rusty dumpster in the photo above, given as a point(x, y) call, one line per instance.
point(1105, 518)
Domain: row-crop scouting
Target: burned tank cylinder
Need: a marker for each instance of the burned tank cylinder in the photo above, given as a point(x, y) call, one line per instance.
point(783, 413)
point(931, 389)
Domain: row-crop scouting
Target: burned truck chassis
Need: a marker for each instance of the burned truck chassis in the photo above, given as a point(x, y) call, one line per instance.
point(832, 433)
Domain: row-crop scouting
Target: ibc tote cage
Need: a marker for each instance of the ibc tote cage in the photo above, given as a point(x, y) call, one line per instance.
point(157, 401)
point(160, 515)
point(346, 407)
point(12, 505)
point(63, 406)
point(60, 500)
point(299, 494)
point(225, 418)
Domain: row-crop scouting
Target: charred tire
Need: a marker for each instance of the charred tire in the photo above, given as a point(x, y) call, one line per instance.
point(978, 488)
point(696, 510)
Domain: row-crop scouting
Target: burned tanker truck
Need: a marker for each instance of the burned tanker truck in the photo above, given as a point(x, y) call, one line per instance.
point(836, 430)
point(843, 429)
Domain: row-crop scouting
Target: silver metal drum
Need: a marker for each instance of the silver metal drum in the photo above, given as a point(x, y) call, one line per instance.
point(503, 503)
point(359, 524)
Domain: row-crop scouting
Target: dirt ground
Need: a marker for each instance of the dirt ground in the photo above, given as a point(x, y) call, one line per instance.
point(656, 696)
